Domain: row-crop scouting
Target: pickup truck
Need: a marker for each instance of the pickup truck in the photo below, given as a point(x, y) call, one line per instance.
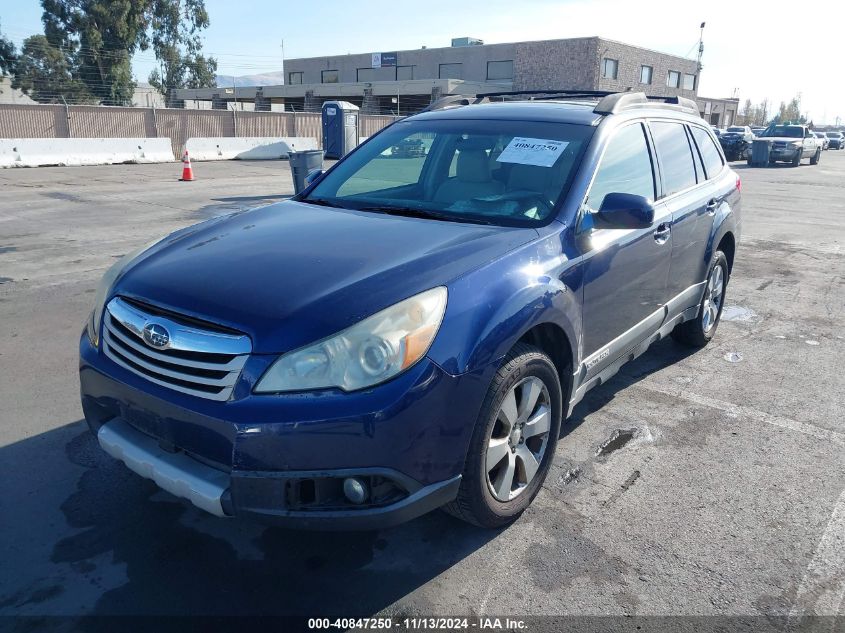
point(791, 144)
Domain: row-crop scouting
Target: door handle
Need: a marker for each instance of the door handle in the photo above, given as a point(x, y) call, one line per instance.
point(661, 233)
point(711, 206)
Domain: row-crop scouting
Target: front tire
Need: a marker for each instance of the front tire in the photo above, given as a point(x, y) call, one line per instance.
point(797, 160)
point(699, 331)
point(816, 157)
point(513, 442)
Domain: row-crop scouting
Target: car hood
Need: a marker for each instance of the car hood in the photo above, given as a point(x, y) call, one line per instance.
point(781, 139)
point(292, 273)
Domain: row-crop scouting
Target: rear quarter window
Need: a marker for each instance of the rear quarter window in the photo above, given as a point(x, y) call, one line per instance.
point(709, 152)
point(677, 167)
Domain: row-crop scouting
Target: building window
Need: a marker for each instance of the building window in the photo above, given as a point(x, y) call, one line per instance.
point(673, 79)
point(451, 71)
point(294, 78)
point(404, 72)
point(500, 70)
point(610, 68)
point(365, 74)
point(329, 77)
point(645, 74)
point(689, 82)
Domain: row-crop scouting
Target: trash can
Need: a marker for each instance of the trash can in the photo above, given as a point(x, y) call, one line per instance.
point(759, 153)
point(302, 164)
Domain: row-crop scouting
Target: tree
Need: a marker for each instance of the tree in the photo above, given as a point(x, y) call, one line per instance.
point(764, 111)
point(790, 111)
point(178, 48)
point(100, 37)
point(8, 56)
point(747, 112)
point(45, 73)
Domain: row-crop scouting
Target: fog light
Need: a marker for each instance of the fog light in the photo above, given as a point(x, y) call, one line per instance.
point(355, 490)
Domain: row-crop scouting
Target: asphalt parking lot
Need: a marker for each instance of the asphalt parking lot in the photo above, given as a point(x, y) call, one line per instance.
point(728, 498)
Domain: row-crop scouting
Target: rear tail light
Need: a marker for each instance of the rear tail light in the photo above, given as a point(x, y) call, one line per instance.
point(738, 183)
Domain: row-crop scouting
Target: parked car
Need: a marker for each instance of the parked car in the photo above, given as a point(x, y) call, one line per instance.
point(374, 348)
point(411, 148)
point(791, 144)
point(736, 142)
point(836, 140)
point(822, 138)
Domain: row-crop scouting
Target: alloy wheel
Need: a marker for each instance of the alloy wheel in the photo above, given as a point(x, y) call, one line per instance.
point(713, 295)
point(518, 439)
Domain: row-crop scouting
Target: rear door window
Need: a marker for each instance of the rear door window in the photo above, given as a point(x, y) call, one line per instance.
point(625, 167)
point(709, 152)
point(675, 155)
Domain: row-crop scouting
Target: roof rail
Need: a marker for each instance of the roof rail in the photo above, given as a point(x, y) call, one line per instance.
point(568, 92)
point(619, 101)
point(609, 102)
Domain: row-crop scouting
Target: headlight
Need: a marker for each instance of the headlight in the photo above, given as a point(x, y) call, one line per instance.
point(370, 352)
point(796, 144)
point(106, 283)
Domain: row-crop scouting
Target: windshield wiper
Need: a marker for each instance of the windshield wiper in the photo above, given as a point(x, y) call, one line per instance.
point(322, 202)
point(410, 212)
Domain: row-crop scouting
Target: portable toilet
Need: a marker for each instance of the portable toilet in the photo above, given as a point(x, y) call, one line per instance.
point(340, 128)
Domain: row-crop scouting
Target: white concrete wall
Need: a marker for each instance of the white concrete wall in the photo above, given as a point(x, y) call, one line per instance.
point(247, 148)
point(35, 152)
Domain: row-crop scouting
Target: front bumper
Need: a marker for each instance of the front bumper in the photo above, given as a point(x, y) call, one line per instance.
point(211, 489)
point(243, 457)
point(784, 154)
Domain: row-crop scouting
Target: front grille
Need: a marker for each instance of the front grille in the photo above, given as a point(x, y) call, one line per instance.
point(199, 361)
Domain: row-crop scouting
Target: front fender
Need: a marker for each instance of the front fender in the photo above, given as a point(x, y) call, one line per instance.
point(491, 308)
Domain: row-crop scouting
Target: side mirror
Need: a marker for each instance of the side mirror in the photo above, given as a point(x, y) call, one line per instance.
point(625, 211)
point(313, 176)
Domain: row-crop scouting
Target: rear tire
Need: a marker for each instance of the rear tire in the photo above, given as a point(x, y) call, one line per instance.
point(699, 331)
point(502, 473)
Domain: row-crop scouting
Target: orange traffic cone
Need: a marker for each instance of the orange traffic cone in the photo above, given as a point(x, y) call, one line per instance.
point(187, 171)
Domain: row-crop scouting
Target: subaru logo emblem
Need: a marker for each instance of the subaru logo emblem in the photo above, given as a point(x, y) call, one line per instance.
point(156, 335)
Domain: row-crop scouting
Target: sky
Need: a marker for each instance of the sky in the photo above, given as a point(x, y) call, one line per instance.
point(752, 48)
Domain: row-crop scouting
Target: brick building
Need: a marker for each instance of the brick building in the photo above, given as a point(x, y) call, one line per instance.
point(405, 81)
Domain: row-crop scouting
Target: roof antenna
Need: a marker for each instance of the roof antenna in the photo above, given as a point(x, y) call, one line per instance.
point(700, 46)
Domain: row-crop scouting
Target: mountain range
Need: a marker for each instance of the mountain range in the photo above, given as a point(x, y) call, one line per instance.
point(264, 79)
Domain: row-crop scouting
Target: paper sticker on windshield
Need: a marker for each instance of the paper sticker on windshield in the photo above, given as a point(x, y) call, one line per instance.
point(532, 151)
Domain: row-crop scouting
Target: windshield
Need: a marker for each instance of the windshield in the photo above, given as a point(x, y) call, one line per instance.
point(790, 131)
point(834, 134)
point(501, 172)
point(736, 129)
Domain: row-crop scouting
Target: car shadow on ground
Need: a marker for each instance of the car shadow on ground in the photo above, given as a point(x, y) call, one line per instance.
point(167, 558)
point(164, 557)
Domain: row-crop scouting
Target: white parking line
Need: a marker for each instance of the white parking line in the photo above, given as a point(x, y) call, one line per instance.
point(822, 590)
point(749, 412)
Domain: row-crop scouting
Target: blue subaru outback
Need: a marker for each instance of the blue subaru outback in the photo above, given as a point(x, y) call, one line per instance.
point(413, 329)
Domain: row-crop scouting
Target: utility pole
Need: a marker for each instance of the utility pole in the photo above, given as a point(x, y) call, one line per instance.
point(700, 46)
